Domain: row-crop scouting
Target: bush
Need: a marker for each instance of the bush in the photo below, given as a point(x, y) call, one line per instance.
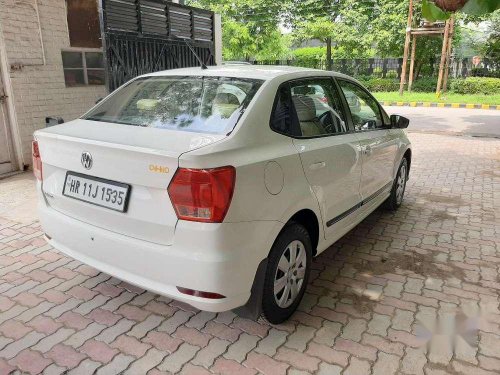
point(309, 57)
point(426, 84)
point(470, 85)
point(379, 84)
point(476, 85)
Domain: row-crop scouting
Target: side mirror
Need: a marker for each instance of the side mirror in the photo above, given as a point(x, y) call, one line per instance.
point(51, 121)
point(98, 100)
point(400, 122)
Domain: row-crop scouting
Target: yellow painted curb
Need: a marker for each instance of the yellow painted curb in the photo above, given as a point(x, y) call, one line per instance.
point(443, 105)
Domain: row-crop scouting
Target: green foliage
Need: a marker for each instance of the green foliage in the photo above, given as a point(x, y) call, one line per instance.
point(476, 85)
point(432, 13)
point(387, 28)
point(478, 7)
point(425, 84)
point(471, 85)
point(345, 22)
point(472, 7)
point(380, 84)
point(309, 57)
point(392, 84)
point(491, 48)
point(250, 28)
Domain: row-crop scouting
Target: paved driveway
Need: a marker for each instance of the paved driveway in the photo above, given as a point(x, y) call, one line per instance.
point(471, 122)
point(383, 300)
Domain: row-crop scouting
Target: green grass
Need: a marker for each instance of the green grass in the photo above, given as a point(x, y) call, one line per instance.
point(431, 97)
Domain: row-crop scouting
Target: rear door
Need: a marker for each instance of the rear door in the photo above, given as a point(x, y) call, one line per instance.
point(379, 146)
point(328, 150)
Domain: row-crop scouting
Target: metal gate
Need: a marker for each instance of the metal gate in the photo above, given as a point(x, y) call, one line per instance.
point(144, 36)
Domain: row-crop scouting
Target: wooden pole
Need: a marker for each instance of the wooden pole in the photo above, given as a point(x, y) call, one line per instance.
point(406, 49)
point(444, 49)
point(412, 62)
point(448, 54)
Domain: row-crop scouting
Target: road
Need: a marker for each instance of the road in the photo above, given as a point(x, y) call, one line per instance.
point(471, 122)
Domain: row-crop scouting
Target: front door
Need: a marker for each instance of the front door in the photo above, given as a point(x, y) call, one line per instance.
point(328, 151)
point(379, 146)
point(6, 164)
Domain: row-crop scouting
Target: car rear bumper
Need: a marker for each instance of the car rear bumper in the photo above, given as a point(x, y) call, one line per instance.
point(219, 258)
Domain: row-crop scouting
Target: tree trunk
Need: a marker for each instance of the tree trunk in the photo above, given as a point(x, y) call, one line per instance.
point(328, 53)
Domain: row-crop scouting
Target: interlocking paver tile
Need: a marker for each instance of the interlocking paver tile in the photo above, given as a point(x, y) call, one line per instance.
point(265, 364)
point(368, 298)
point(31, 361)
point(98, 351)
point(130, 345)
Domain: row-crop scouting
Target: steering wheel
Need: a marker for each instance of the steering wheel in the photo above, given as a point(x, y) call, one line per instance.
point(323, 118)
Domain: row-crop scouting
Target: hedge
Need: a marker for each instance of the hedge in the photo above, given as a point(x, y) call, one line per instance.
point(471, 85)
point(476, 85)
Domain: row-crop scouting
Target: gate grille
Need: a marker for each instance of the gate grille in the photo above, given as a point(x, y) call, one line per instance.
point(142, 36)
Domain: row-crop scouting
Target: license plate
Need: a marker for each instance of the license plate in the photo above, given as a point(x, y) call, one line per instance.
point(98, 191)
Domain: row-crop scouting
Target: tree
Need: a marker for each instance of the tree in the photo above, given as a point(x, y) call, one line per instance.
point(492, 47)
point(313, 19)
point(343, 25)
point(388, 27)
point(250, 28)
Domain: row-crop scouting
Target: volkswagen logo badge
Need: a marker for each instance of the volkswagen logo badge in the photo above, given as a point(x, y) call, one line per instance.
point(86, 160)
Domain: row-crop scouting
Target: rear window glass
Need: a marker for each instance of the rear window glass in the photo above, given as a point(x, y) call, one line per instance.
point(198, 104)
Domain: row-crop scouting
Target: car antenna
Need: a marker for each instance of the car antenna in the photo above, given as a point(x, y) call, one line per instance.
point(185, 40)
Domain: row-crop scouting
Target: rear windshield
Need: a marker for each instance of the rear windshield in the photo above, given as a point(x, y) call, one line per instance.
point(198, 104)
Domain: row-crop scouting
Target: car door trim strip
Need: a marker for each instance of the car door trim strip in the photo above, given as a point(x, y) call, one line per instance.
point(362, 203)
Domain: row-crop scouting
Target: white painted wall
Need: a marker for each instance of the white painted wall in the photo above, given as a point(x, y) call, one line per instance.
point(34, 33)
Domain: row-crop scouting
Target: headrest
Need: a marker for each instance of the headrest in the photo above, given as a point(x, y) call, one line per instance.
point(304, 105)
point(226, 98)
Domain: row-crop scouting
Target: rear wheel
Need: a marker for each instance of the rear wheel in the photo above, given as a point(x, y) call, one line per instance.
point(287, 273)
point(398, 187)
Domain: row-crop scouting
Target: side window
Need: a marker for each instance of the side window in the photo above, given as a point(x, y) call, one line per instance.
point(283, 118)
point(365, 111)
point(318, 107)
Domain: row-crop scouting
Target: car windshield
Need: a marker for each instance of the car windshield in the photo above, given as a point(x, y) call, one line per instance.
point(198, 104)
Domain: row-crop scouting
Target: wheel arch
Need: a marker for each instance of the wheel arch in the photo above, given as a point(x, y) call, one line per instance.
point(308, 219)
point(407, 156)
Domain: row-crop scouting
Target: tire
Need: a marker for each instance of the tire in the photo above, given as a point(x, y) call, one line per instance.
point(294, 239)
point(398, 187)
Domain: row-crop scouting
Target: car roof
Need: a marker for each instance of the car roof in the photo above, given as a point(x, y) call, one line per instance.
point(264, 72)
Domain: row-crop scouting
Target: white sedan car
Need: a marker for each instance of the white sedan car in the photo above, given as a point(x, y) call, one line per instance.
point(217, 187)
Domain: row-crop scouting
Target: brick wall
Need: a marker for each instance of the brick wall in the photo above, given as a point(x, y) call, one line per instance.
point(33, 29)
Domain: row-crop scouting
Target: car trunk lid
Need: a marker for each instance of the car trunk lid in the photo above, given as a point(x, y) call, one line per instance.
point(143, 158)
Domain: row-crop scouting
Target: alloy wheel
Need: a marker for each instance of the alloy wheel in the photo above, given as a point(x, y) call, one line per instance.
point(289, 276)
point(401, 184)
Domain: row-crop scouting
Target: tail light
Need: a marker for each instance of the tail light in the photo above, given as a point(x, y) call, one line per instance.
point(202, 194)
point(37, 161)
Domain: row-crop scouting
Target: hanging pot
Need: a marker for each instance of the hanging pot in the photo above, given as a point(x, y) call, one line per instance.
point(450, 5)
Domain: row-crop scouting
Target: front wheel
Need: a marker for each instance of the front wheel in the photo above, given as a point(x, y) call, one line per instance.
point(287, 273)
point(398, 187)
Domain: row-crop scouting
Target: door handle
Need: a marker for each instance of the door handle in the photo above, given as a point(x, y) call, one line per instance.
point(316, 166)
